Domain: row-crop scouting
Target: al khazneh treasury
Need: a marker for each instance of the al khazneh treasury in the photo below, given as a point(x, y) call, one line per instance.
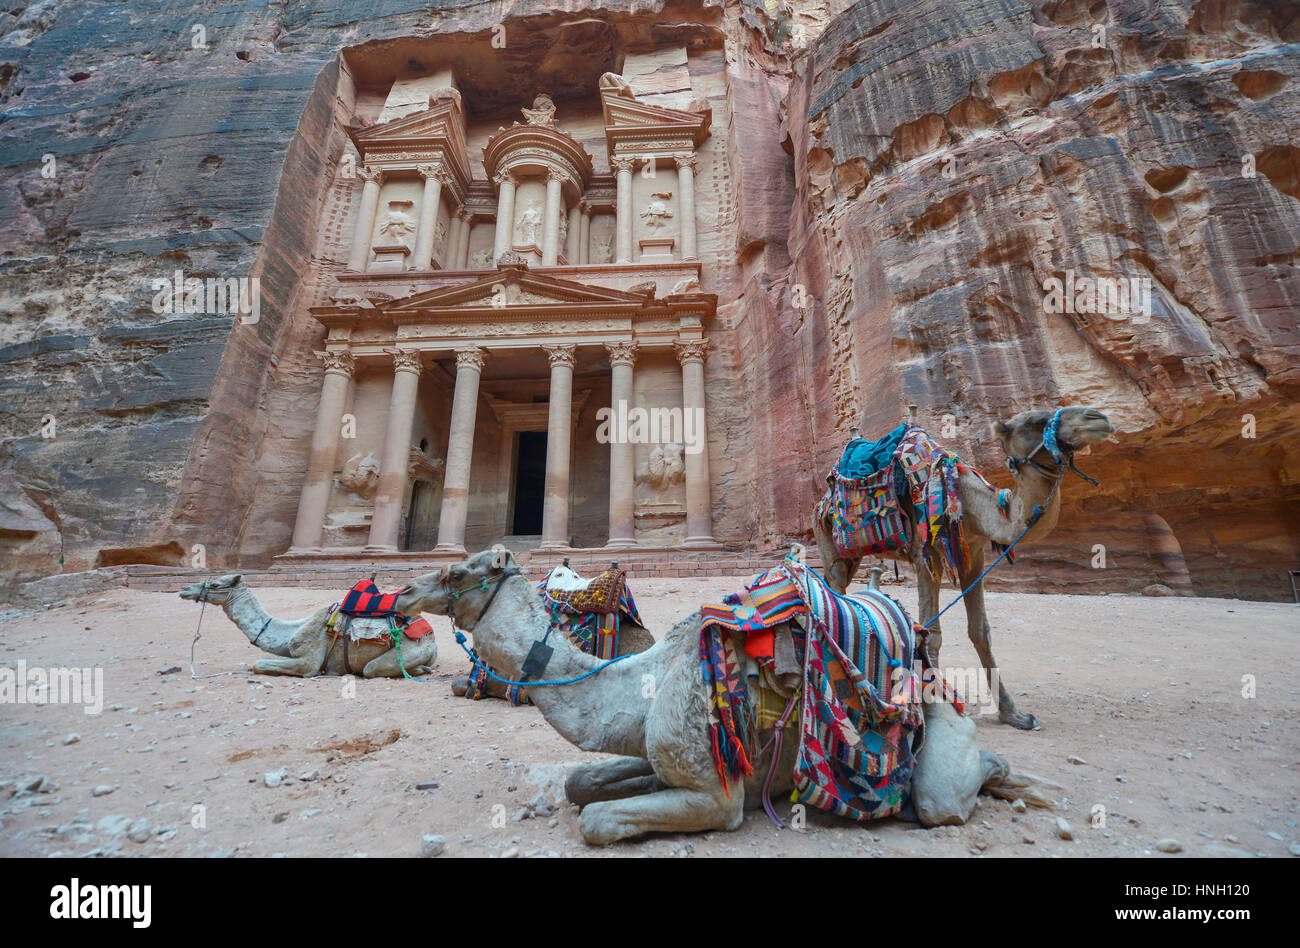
point(502, 284)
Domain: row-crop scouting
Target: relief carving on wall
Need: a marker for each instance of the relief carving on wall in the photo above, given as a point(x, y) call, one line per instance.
point(528, 229)
point(604, 250)
point(667, 466)
point(657, 213)
point(360, 475)
point(398, 225)
point(481, 259)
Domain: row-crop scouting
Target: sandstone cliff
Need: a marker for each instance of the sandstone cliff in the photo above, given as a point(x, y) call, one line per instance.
point(904, 175)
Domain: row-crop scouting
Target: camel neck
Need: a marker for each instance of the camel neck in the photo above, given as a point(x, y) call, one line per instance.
point(1031, 490)
point(604, 712)
point(268, 634)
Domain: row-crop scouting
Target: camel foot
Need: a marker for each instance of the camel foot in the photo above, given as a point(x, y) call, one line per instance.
point(1020, 719)
point(460, 685)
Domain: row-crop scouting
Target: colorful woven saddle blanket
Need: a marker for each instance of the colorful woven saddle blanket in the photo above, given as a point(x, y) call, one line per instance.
point(872, 515)
point(367, 615)
point(860, 722)
point(580, 608)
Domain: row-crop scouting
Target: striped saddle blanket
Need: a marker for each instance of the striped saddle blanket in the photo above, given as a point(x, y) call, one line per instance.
point(860, 720)
point(367, 615)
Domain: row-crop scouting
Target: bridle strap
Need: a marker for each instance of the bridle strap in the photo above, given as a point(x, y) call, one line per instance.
point(1064, 459)
point(455, 594)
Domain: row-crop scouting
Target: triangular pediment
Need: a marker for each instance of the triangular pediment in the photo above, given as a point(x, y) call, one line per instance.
point(623, 113)
point(515, 287)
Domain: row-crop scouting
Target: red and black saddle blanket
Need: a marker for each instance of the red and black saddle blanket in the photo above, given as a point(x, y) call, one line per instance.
point(363, 605)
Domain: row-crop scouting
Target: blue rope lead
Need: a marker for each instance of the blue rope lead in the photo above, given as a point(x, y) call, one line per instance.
point(1033, 519)
point(478, 663)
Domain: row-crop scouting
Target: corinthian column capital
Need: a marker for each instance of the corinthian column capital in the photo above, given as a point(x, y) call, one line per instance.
point(691, 350)
point(405, 360)
point(565, 354)
point(471, 357)
point(369, 173)
point(622, 353)
point(623, 164)
point(338, 360)
point(685, 161)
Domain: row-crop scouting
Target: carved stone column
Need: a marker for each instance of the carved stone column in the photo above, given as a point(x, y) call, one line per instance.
point(462, 246)
point(551, 220)
point(387, 516)
point(573, 234)
point(699, 508)
point(429, 204)
point(686, 203)
point(505, 215)
point(360, 252)
point(315, 496)
point(584, 237)
point(451, 247)
point(622, 453)
point(460, 451)
point(623, 219)
point(555, 507)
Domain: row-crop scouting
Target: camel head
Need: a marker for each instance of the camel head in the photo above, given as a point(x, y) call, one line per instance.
point(461, 591)
point(1079, 428)
point(216, 591)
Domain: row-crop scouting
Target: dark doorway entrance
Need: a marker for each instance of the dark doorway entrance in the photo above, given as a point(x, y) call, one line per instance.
point(530, 483)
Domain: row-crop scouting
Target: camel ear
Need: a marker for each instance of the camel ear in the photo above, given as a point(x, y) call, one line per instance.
point(1001, 430)
point(233, 579)
point(502, 558)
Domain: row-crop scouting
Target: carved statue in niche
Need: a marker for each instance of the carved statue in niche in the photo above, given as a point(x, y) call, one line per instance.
point(360, 475)
point(439, 235)
point(398, 225)
point(604, 252)
point(528, 229)
point(481, 259)
point(667, 466)
point(657, 212)
point(542, 112)
point(564, 228)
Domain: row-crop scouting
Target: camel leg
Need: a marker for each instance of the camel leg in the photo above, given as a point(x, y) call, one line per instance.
point(838, 571)
point(611, 780)
point(927, 596)
point(421, 653)
point(306, 665)
point(675, 810)
point(977, 626)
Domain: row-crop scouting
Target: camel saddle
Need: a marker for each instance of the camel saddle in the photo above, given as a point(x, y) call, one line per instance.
point(367, 615)
point(599, 595)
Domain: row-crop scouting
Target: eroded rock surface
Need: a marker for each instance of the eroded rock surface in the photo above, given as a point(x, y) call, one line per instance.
point(900, 178)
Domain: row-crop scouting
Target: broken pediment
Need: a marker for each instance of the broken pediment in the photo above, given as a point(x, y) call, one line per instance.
point(627, 118)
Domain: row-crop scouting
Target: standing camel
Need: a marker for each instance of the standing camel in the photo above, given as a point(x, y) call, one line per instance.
point(1037, 470)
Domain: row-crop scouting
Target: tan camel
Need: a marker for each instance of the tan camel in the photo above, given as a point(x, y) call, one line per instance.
point(651, 709)
point(305, 647)
point(632, 638)
point(1036, 473)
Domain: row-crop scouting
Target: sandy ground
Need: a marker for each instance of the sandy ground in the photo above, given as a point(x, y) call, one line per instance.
point(1147, 693)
